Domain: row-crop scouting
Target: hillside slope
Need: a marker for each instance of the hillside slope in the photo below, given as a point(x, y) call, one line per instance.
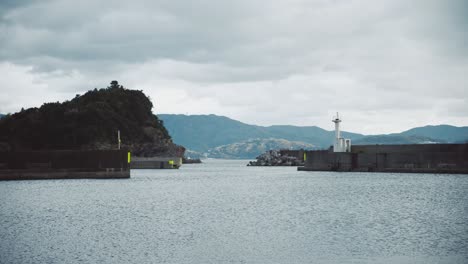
point(252, 148)
point(204, 132)
point(445, 133)
point(395, 140)
point(91, 121)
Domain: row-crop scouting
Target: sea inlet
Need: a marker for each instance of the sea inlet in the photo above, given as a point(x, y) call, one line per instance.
point(224, 212)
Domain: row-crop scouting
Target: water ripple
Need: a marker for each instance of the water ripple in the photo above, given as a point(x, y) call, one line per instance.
point(225, 212)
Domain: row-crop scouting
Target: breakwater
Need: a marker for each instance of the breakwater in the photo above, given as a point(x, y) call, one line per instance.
point(283, 157)
point(421, 158)
point(191, 161)
point(156, 163)
point(64, 164)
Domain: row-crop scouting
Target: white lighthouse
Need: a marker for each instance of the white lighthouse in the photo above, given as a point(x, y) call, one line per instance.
point(340, 144)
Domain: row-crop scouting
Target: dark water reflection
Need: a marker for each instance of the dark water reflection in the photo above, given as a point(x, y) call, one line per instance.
point(224, 212)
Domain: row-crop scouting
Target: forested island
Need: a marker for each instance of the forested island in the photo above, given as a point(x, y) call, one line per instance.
point(90, 122)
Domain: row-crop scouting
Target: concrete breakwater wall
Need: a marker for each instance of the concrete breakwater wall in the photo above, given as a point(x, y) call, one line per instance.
point(191, 161)
point(64, 164)
point(156, 163)
point(424, 158)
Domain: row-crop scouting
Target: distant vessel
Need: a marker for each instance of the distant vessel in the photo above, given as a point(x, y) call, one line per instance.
point(420, 158)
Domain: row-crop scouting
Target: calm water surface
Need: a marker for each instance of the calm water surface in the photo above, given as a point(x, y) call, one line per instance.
point(225, 212)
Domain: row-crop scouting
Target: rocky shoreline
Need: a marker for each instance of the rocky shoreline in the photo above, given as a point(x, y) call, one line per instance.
point(277, 158)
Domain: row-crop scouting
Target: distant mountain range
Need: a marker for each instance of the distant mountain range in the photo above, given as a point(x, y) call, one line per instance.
point(441, 132)
point(393, 139)
point(253, 147)
point(204, 132)
point(222, 137)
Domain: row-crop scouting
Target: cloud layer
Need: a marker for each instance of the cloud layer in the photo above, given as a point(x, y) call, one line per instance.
point(385, 65)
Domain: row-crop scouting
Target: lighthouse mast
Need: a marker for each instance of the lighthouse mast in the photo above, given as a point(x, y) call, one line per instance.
point(341, 144)
point(337, 146)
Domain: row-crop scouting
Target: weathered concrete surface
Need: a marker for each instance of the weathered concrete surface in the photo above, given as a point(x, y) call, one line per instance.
point(425, 158)
point(191, 161)
point(64, 164)
point(395, 170)
point(156, 163)
point(64, 174)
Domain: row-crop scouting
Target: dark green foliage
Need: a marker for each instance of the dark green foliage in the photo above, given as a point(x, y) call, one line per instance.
point(90, 119)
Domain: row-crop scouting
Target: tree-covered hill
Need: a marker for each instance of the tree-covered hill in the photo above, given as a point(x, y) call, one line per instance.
point(444, 133)
point(250, 149)
point(91, 121)
point(203, 132)
point(396, 139)
point(218, 136)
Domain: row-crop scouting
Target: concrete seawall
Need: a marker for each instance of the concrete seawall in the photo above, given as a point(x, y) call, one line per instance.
point(156, 163)
point(424, 158)
point(64, 174)
point(64, 164)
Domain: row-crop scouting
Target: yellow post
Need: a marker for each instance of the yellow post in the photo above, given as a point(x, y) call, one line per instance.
point(118, 138)
point(305, 156)
point(128, 157)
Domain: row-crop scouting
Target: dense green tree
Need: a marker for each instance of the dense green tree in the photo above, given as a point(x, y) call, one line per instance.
point(87, 120)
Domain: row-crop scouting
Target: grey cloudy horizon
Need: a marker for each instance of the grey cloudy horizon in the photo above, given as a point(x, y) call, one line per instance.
point(386, 66)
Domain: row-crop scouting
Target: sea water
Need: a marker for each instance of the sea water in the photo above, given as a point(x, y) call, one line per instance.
point(224, 212)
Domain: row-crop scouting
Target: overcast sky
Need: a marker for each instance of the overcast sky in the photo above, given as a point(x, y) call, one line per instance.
point(386, 66)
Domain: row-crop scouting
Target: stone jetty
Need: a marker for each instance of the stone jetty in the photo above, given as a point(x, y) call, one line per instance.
point(279, 158)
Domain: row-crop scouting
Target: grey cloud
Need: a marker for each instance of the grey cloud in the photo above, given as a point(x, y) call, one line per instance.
point(86, 30)
point(358, 55)
point(261, 35)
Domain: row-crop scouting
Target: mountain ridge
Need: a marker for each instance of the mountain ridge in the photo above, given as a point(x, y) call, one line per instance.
point(446, 132)
point(202, 133)
point(252, 147)
point(220, 136)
